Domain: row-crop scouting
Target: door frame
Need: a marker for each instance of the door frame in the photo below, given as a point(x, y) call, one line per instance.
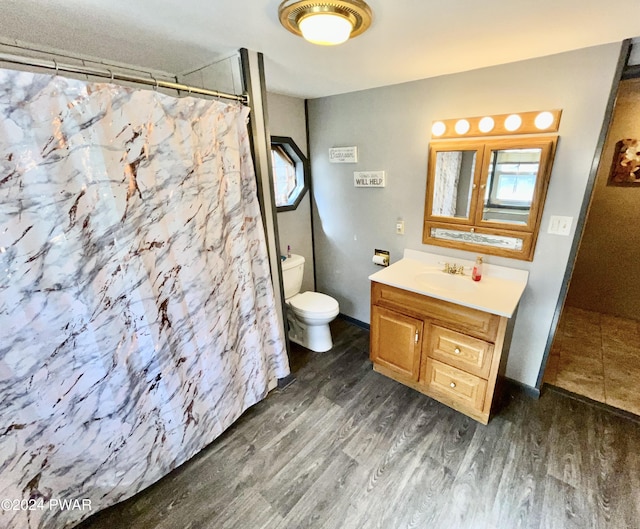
point(621, 69)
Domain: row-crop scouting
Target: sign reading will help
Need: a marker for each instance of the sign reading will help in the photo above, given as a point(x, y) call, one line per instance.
point(368, 179)
point(343, 155)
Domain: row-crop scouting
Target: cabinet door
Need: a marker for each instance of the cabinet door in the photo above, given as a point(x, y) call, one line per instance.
point(515, 175)
point(396, 342)
point(452, 181)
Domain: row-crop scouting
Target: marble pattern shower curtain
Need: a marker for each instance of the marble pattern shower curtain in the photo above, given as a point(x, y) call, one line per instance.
point(136, 307)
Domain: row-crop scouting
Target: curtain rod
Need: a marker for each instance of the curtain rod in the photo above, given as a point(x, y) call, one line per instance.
point(108, 74)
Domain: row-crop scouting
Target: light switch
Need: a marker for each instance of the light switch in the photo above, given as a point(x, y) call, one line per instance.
point(560, 225)
point(400, 227)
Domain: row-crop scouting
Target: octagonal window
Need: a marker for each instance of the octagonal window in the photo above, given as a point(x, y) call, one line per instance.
point(290, 173)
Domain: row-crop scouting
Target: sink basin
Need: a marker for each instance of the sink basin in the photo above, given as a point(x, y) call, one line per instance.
point(441, 282)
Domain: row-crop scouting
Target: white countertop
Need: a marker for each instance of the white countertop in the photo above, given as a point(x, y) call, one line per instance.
point(498, 292)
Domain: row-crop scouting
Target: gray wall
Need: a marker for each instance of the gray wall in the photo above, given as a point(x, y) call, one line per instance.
point(224, 75)
point(391, 128)
point(604, 278)
point(287, 118)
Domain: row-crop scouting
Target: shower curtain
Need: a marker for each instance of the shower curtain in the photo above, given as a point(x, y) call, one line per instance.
point(136, 308)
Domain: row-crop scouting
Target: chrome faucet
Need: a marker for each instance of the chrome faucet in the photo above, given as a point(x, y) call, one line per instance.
point(453, 268)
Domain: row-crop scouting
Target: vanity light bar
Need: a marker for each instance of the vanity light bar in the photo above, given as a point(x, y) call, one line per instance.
point(498, 125)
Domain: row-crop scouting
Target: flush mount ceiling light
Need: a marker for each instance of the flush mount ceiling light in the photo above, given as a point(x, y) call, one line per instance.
point(326, 23)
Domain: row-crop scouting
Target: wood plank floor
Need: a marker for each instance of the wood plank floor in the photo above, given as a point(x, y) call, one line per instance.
point(344, 447)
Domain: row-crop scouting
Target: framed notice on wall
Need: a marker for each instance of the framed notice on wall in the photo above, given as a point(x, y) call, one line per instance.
point(343, 155)
point(368, 179)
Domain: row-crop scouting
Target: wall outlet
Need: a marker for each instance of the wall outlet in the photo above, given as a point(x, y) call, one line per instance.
point(560, 225)
point(400, 227)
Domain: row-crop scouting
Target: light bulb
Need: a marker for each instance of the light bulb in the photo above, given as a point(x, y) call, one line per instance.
point(544, 120)
point(486, 124)
point(462, 126)
point(513, 122)
point(325, 29)
point(438, 128)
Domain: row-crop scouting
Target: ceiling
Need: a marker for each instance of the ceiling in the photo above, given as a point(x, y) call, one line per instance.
point(409, 39)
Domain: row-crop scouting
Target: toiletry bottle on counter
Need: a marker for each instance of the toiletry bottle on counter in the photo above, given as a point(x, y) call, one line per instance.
point(289, 250)
point(476, 275)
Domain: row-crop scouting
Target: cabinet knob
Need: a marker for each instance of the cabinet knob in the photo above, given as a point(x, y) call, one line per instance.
point(453, 384)
point(472, 230)
point(457, 350)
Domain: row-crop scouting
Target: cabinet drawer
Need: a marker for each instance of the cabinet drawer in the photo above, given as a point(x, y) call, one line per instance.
point(459, 350)
point(468, 320)
point(462, 388)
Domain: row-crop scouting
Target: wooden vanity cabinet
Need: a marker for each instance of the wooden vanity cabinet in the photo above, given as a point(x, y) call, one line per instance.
point(444, 350)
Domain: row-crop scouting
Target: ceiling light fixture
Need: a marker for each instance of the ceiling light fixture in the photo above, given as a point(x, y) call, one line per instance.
point(327, 23)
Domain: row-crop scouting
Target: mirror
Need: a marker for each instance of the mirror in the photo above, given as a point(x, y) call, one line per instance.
point(511, 184)
point(453, 181)
point(487, 195)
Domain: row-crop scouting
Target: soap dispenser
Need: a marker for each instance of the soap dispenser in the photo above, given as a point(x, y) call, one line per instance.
point(476, 274)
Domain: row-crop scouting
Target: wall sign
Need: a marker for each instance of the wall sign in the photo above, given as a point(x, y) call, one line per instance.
point(343, 155)
point(368, 179)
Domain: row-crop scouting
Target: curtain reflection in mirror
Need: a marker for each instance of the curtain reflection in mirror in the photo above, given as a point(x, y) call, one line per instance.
point(453, 183)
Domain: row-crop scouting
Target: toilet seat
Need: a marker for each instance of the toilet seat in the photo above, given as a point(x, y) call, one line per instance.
point(314, 305)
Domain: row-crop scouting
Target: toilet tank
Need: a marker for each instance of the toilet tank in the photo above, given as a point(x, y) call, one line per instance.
point(292, 270)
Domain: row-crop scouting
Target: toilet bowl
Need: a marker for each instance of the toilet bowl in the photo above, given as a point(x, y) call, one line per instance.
point(308, 313)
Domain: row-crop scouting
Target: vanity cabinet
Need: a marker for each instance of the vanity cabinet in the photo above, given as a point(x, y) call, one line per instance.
point(447, 351)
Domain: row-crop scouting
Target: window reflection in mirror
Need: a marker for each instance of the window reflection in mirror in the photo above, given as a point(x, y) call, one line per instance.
point(510, 186)
point(453, 183)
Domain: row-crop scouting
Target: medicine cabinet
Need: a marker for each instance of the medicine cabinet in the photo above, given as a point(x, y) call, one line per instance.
point(487, 195)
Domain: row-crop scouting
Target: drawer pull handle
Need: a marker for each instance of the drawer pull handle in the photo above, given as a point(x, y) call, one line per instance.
point(453, 384)
point(457, 350)
point(417, 337)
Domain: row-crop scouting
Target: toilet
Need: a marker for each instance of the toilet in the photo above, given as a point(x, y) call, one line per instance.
point(308, 313)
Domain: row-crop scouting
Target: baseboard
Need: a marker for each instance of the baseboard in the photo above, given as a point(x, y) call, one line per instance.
point(355, 322)
point(520, 387)
point(286, 381)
